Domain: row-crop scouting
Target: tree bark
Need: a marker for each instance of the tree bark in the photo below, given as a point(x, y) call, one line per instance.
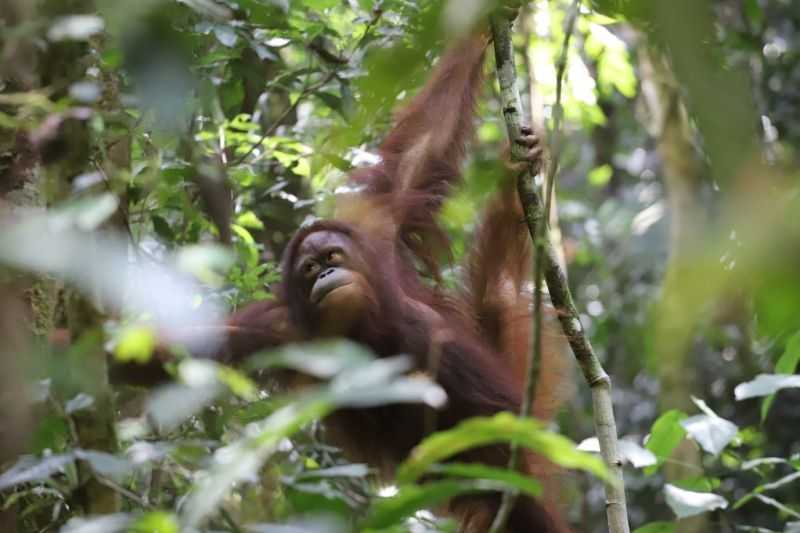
point(535, 213)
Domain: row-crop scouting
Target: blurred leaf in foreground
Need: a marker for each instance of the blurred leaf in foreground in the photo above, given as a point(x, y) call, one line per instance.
point(371, 383)
point(501, 428)
point(101, 264)
point(689, 503)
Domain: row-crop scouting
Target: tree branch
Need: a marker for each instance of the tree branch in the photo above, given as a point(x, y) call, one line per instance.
point(536, 219)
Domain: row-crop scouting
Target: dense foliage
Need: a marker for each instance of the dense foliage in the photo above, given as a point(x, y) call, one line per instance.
point(155, 157)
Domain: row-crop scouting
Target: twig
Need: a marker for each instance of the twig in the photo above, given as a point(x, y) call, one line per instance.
point(135, 498)
point(536, 219)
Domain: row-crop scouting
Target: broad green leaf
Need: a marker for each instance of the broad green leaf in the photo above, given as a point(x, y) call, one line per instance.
point(685, 503)
point(665, 435)
point(501, 428)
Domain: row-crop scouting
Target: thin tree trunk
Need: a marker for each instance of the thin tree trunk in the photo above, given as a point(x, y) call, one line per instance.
point(535, 212)
point(29, 308)
point(683, 174)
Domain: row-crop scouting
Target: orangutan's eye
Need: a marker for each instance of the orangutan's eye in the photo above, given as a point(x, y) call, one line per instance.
point(335, 257)
point(311, 268)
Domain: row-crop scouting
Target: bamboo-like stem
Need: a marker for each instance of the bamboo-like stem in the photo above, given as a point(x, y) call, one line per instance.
point(536, 219)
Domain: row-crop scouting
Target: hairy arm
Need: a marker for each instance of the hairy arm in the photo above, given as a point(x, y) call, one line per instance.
point(499, 289)
point(421, 156)
point(498, 278)
point(425, 148)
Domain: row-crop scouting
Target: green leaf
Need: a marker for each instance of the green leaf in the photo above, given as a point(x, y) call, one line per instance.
point(698, 483)
point(786, 364)
point(163, 229)
point(248, 219)
point(247, 244)
point(754, 12)
point(135, 344)
point(156, 522)
point(665, 435)
point(321, 4)
point(501, 428)
point(238, 383)
point(302, 167)
point(657, 527)
point(508, 478)
point(377, 382)
point(599, 176)
point(331, 100)
point(789, 359)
